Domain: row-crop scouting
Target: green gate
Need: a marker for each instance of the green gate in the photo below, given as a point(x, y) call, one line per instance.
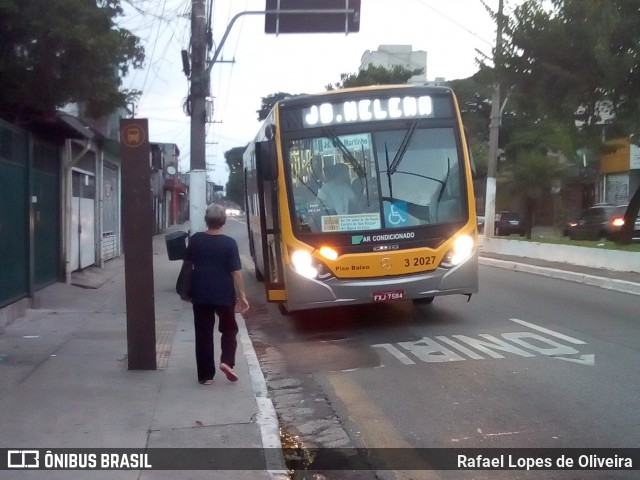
point(14, 238)
point(16, 199)
point(45, 191)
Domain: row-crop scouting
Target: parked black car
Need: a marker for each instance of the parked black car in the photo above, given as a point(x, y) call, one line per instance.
point(635, 233)
point(599, 221)
point(510, 222)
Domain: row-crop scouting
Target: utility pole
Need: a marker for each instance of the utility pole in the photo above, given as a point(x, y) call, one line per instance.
point(197, 102)
point(200, 69)
point(494, 131)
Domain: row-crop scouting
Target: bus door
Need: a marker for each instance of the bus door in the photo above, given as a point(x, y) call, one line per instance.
point(270, 241)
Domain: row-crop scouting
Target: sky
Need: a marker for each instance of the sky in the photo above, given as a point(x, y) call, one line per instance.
point(253, 64)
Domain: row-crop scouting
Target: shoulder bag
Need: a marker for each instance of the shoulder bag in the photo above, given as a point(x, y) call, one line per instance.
point(183, 284)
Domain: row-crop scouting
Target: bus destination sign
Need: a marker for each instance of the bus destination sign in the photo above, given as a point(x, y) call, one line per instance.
point(366, 110)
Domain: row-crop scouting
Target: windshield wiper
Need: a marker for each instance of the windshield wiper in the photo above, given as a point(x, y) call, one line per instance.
point(386, 154)
point(402, 150)
point(366, 180)
point(444, 181)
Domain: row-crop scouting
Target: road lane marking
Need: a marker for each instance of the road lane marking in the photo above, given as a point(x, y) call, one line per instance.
point(589, 359)
point(533, 326)
point(524, 344)
point(556, 348)
point(376, 429)
point(395, 352)
point(460, 348)
point(494, 343)
point(429, 350)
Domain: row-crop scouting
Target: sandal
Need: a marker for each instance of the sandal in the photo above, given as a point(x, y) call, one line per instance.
point(229, 373)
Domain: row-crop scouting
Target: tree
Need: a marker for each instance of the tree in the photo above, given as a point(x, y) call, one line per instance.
point(370, 76)
point(374, 75)
point(474, 99)
point(630, 216)
point(530, 177)
point(532, 168)
point(268, 102)
point(235, 184)
point(576, 64)
point(63, 51)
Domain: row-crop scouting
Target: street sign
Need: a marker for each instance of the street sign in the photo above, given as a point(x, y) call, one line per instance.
point(137, 232)
point(312, 16)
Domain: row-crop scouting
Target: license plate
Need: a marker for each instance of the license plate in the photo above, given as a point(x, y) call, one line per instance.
point(388, 295)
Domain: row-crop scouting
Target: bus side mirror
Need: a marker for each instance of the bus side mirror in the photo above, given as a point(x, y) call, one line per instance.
point(266, 160)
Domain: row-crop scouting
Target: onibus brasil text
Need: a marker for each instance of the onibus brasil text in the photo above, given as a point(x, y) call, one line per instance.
point(112, 461)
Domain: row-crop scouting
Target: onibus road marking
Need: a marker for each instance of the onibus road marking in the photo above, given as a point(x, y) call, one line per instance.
point(456, 348)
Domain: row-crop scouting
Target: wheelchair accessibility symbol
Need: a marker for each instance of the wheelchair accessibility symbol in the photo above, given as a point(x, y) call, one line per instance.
point(396, 215)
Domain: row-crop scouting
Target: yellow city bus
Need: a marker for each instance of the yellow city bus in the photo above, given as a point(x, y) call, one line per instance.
point(362, 195)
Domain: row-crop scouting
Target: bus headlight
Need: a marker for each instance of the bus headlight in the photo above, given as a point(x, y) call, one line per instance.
point(303, 264)
point(462, 249)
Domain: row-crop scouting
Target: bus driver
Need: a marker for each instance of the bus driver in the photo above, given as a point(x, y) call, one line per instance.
point(336, 196)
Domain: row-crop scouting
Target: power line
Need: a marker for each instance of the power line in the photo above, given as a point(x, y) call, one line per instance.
point(224, 107)
point(163, 18)
point(455, 22)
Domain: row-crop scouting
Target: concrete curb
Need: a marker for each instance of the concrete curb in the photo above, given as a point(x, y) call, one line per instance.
point(601, 282)
point(622, 261)
point(266, 418)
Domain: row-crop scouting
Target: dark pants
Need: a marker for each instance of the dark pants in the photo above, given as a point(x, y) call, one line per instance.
point(204, 318)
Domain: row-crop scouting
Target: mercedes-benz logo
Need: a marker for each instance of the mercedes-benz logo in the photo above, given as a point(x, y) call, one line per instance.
point(386, 263)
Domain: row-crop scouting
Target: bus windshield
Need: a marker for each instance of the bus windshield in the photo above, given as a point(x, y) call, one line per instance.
point(375, 180)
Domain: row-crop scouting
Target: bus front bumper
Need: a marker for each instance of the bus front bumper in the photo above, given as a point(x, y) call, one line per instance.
point(304, 293)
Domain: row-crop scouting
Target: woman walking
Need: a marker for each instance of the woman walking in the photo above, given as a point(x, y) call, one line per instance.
point(217, 288)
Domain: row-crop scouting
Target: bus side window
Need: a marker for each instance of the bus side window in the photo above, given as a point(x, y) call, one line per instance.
point(266, 161)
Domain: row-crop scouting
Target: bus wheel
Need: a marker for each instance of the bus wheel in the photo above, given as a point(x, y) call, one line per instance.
point(283, 309)
point(423, 300)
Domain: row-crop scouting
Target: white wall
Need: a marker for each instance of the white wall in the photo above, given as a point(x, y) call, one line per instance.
point(588, 257)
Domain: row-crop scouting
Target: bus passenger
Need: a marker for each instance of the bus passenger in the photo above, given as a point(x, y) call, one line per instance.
point(336, 196)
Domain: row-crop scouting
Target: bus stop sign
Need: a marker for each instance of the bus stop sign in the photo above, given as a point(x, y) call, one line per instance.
point(312, 16)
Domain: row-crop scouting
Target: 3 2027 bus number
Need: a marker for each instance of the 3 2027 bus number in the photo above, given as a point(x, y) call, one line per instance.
point(420, 261)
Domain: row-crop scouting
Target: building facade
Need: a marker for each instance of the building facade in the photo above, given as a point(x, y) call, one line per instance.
point(620, 172)
point(389, 56)
point(60, 202)
point(169, 191)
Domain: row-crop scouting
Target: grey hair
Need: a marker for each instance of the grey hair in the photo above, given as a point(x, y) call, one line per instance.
point(215, 216)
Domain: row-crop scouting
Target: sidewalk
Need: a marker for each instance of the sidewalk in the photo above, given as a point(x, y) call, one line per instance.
point(65, 382)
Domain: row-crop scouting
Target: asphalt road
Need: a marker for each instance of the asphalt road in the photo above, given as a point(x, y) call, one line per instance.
point(530, 361)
